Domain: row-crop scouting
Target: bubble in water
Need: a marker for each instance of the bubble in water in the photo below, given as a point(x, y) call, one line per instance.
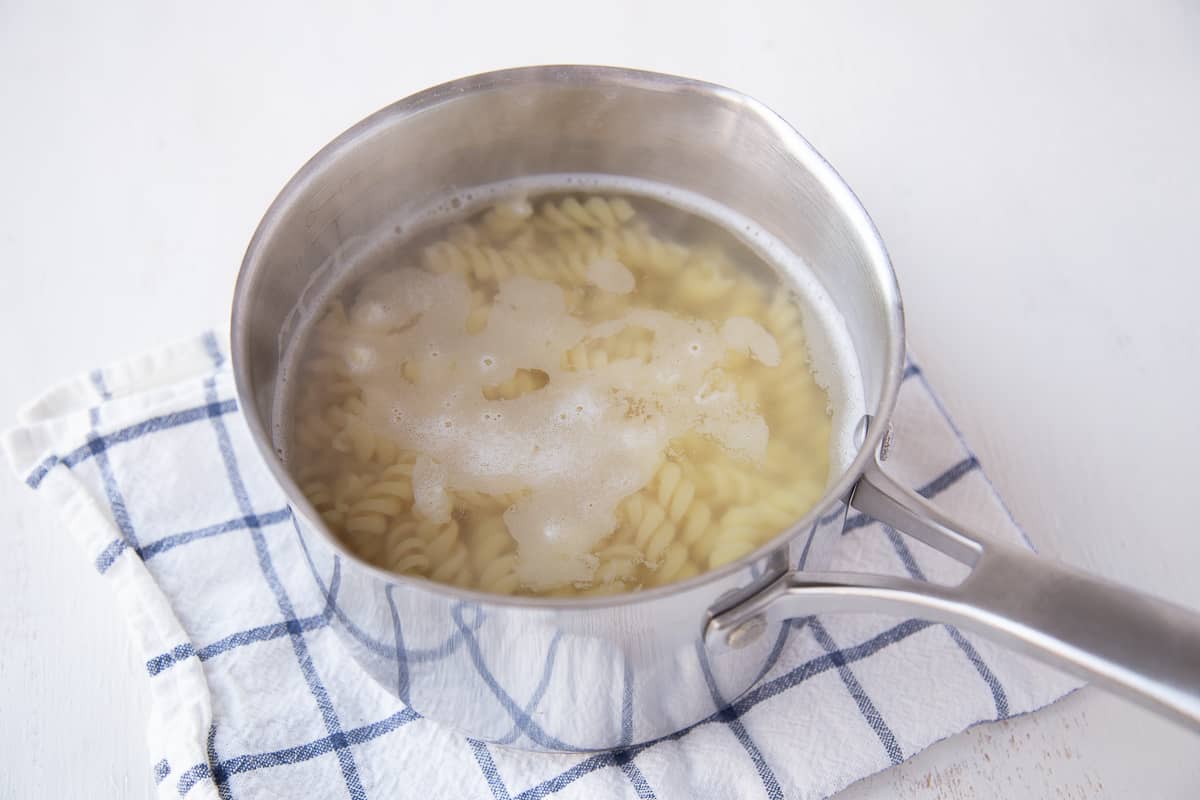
point(360, 358)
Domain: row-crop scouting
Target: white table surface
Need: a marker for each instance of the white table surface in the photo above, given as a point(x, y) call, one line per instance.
point(1033, 168)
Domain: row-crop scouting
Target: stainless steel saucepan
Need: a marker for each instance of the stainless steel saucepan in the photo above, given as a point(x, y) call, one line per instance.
point(600, 673)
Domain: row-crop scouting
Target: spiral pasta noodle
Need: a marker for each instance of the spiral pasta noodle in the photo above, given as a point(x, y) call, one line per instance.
point(594, 213)
point(493, 555)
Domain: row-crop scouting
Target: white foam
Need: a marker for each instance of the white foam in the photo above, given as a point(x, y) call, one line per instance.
point(574, 448)
point(831, 350)
point(610, 275)
point(832, 357)
point(430, 499)
point(748, 336)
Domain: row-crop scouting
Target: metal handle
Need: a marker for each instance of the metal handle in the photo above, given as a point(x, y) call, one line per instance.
point(1136, 645)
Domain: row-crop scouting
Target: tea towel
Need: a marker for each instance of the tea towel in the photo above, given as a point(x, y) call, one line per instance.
point(152, 468)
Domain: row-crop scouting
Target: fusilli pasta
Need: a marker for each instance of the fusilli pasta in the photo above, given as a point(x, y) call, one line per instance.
point(703, 507)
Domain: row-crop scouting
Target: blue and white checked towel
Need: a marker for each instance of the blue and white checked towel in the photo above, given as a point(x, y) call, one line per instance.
point(153, 470)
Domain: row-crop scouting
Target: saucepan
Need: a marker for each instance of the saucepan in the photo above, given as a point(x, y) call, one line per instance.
point(599, 673)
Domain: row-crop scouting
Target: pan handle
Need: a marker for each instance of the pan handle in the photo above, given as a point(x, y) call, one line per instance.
point(1136, 645)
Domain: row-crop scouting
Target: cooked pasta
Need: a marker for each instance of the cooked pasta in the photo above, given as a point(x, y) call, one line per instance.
point(716, 490)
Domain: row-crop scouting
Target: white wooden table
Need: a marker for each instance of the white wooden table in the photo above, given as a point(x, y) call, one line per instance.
point(1034, 170)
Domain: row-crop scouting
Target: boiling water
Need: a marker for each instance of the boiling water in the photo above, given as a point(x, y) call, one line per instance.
point(579, 385)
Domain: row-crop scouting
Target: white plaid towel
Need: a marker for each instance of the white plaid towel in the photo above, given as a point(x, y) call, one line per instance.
point(254, 697)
